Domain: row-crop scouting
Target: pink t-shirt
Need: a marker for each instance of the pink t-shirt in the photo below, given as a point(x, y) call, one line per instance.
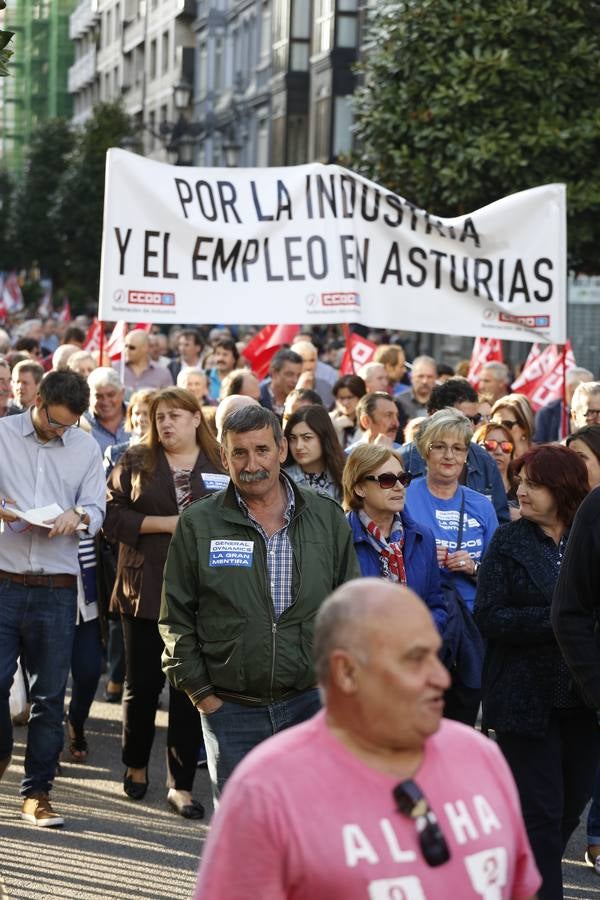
point(303, 818)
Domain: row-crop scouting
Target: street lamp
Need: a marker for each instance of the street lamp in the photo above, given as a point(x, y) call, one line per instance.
point(182, 136)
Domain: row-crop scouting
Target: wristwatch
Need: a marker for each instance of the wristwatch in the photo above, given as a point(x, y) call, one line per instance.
point(81, 512)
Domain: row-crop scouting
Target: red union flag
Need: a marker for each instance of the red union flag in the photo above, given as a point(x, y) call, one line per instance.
point(359, 351)
point(541, 380)
point(485, 350)
point(92, 338)
point(264, 345)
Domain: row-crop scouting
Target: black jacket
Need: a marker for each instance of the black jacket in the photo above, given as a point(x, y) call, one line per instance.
point(576, 604)
point(512, 609)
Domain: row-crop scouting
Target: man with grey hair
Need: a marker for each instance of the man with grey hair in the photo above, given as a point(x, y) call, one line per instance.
point(494, 380)
point(585, 405)
point(106, 414)
point(246, 573)
point(375, 377)
point(231, 404)
point(423, 377)
point(549, 424)
point(399, 812)
point(310, 376)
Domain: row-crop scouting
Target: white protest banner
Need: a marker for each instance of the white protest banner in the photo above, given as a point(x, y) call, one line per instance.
point(320, 244)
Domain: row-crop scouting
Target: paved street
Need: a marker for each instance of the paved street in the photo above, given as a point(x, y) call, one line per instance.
point(112, 847)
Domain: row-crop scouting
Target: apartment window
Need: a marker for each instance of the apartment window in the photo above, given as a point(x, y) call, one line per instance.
point(322, 118)
point(324, 19)
point(107, 86)
point(219, 60)
point(153, 59)
point(297, 149)
point(278, 140)
point(262, 141)
point(280, 35)
point(265, 31)
point(108, 34)
point(165, 52)
point(300, 36)
point(203, 73)
point(342, 124)
point(117, 33)
point(116, 82)
point(152, 127)
point(346, 29)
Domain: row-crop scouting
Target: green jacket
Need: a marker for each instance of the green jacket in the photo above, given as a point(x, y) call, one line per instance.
point(217, 621)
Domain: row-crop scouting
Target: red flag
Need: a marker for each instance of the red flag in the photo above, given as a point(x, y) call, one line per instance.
point(116, 342)
point(359, 351)
point(264, 345)
point(65, 313)
point(542, 378)
point(93, 337)
point(485, 350)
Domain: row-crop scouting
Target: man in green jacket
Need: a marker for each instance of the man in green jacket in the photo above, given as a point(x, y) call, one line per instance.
point(247, 570)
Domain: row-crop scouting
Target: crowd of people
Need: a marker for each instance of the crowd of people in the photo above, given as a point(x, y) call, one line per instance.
point(351, 554)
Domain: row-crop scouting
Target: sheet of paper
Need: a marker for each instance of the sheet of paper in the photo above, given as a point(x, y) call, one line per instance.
point(41, 515)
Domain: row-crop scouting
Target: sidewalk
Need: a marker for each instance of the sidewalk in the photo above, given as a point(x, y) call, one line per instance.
point(110, 846)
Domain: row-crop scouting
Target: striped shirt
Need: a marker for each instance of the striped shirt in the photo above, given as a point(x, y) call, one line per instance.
point(280, 554)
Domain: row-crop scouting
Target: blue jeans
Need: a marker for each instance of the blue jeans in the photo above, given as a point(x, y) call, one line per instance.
point(37, 623)
point(233, 730)
point(86, 663)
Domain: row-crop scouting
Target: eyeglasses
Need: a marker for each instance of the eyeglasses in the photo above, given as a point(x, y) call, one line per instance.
point(476, 419)
point(454, 450)
point(492, 445)
point(508, 423)
point(54, 424)
point(388, 479)
point(592, 413)
point(411, 802)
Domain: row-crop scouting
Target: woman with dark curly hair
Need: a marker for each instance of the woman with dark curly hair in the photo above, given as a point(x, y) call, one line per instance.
point(550, 739)
point(315, 457)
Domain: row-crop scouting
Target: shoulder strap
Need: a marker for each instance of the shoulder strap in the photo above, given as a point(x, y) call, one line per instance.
point(461, 519)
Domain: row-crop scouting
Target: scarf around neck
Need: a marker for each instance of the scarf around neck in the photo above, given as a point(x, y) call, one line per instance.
point(390, 552)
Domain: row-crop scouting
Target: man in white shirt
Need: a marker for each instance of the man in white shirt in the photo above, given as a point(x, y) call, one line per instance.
point(53, 462)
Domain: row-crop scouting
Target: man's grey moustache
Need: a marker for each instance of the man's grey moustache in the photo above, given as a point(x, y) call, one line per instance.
point(254, 476)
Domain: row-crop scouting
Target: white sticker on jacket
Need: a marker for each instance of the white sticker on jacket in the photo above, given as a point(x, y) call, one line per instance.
point(213, 481)
point(231, 553)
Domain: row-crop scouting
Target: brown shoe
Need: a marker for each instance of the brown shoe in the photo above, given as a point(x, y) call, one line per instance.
point(37, 811)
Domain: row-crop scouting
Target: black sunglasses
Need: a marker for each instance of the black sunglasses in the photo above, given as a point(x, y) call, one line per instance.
point(388, 479)
point(411, 802)
point(476, 419)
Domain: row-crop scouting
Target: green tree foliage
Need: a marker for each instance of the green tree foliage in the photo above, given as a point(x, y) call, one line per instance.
point(77, 211)
point(464, 103)
point(33, 242)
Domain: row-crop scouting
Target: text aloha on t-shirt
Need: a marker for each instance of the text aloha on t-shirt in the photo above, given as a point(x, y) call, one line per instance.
point(442, 517)
point(302, 818)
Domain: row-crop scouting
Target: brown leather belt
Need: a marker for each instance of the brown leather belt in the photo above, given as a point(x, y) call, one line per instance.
point(49, 581)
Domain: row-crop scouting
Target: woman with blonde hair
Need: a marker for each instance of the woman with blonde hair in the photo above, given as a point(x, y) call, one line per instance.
point(462, 521)
point(388, 543)
point(514, 412)
point(176, 462)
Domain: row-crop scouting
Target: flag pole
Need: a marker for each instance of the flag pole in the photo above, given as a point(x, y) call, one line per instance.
point(101, 344)
point(122, 360)
point(565, 414)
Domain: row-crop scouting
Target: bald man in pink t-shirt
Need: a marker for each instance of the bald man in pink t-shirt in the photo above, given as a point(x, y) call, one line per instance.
point(375, 797)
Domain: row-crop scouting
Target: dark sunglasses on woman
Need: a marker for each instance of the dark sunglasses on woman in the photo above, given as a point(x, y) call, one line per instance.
point(388, 479)
point(491, 445)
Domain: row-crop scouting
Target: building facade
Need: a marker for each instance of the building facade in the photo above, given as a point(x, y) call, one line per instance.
point(36, 89)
